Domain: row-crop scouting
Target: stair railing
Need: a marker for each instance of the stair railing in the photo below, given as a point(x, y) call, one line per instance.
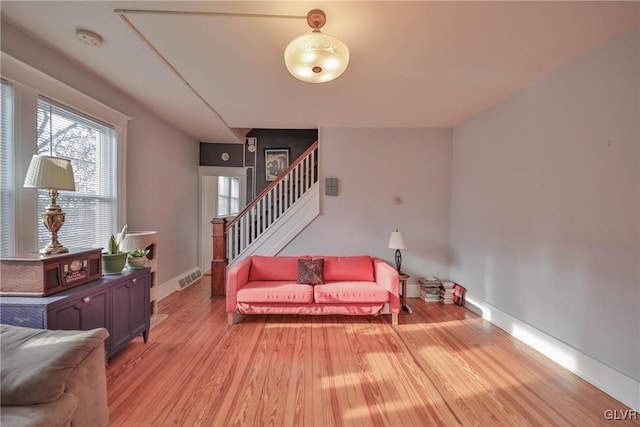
point(232, 238)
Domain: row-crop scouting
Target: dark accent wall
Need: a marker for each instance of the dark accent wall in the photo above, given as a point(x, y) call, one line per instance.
point(295, 140)
point(211, 154)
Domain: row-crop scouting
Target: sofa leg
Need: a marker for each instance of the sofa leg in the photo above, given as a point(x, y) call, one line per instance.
point(230, 318)
point(394, 319)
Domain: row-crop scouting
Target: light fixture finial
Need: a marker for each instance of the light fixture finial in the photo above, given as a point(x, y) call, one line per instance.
point(316, 19)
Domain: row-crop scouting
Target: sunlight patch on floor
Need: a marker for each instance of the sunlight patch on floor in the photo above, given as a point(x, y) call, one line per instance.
point(535, 339)
point(544, 346)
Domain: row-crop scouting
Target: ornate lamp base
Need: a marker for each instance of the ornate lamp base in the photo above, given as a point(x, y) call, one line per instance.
point(53, 248)
point(53, 218)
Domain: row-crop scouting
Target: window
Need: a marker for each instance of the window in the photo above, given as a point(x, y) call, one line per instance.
point(92, 210)
point(91, 134)
point(6, 170)
point(228, 196)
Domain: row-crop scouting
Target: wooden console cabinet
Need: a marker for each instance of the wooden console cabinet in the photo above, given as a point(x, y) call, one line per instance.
point(118, 302)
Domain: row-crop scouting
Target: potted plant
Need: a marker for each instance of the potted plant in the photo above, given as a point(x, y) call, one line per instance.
point(137, 258)
point(114, 260)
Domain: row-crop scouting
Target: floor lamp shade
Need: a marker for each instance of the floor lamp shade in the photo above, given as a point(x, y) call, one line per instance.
point(397, 242)
point(53, 174)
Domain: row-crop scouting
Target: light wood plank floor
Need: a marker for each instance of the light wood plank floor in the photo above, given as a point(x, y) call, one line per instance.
point(442, 366)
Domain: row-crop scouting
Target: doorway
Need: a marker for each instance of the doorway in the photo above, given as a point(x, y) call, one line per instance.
point(222, 194)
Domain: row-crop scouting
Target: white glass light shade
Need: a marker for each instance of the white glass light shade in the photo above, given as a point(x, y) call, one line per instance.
point(50, 173)
point(396, 241)
point(316, 57)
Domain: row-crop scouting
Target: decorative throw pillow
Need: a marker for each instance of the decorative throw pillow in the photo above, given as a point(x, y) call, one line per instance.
point(311, 272)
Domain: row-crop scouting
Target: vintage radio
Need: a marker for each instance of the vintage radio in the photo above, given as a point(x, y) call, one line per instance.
point(33, 274)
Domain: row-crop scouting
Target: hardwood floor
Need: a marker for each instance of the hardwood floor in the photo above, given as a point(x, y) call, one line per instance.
point(442, 366)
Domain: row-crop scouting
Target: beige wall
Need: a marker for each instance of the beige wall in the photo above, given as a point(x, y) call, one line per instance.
point(373, 166)
point(546, 205)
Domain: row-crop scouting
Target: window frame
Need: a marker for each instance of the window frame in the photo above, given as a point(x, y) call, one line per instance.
point(28, 85)
point(9, 220)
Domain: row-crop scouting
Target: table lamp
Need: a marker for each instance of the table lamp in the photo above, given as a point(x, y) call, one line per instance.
point(396, 241)
point(53, 174)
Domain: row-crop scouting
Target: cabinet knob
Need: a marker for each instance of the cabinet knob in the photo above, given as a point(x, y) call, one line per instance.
point(134, 280)
point(86, 299)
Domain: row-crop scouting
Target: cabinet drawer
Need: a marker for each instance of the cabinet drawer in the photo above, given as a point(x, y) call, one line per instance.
point(86, 312)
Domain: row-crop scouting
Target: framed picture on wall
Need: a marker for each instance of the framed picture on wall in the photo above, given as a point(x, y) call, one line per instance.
point(275, 162)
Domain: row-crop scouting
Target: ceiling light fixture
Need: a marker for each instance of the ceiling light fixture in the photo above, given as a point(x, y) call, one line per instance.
point(316, 57)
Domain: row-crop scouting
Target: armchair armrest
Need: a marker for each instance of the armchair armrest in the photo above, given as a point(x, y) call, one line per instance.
point(388, 277)
point(237, 277)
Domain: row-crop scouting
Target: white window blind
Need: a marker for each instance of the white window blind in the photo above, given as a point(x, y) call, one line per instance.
point(6, 170)
point(91, 211)
point(228, 195)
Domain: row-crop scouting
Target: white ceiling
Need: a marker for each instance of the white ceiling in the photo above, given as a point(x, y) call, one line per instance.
point(413, 64)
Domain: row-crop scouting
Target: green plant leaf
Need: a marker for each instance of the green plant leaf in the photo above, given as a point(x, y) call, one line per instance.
point(138, 253)
point(114, 247)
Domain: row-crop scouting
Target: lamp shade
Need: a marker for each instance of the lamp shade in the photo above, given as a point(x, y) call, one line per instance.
point(316, 57)
point(51, 173)
point(396, 241)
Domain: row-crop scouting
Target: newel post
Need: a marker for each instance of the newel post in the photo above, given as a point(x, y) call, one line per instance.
point(219, 262)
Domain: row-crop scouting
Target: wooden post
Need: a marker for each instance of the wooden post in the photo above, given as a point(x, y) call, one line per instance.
point(219, 262)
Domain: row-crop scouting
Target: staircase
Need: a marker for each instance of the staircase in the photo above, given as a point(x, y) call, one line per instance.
point(270, 221)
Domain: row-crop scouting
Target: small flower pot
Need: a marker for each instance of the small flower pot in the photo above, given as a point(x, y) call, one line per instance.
point(136, 263)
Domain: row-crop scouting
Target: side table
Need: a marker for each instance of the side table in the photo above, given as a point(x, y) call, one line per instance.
point(403, 286)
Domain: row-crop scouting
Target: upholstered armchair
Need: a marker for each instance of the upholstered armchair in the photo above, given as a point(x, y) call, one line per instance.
point(53, 378)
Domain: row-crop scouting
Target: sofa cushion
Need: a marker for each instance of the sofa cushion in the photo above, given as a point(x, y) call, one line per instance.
point(348, 268)
point(350, 292)
point(311, 271)
point(275, 291)
point(25, 379)
point(58, 413)
point(274, 267)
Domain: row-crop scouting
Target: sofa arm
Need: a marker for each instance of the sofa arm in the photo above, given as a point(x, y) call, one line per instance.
point(388, 278)
point(237, 277)
point(88, 382)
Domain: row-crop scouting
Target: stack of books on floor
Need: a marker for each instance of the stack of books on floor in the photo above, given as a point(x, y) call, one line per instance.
point(430, 289)
point(446, 294)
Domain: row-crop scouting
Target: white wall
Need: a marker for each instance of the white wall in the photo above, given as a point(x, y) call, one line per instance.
point(546, 205)
point(373, 166)
point(162, 166)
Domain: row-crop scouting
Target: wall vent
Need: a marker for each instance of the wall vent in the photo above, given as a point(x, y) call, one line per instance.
point(189, 279)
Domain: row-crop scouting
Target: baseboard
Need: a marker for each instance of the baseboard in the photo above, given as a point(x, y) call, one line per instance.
point(178, 283)
point(413, 290)
point(607, 379)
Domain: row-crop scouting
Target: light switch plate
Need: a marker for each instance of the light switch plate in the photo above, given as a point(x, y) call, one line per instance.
point(331, 186)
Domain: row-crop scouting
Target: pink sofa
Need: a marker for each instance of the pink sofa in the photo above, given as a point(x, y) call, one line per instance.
point(353, 285)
